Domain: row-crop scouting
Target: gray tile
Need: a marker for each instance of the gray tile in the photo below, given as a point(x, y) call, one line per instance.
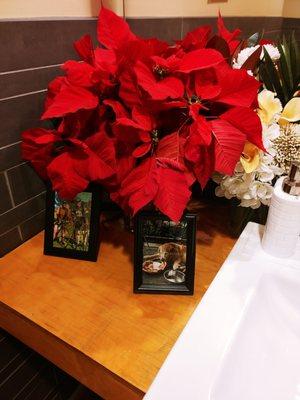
point(191, 23)
point(24, 183)
point(5, 202)
point(10, 348)
point(27, 81)
point(67, 386)
point(22, 212)
point(248, 25)
point(33, 226)
point(30, 43)
point(272, 23)
point(168, 29)
point(10, 156)
point(290, 25)
point(13, 384)
point(273, 35)
point(2, 334)
point(19, 114)
point(41, 386)
point(9, 241)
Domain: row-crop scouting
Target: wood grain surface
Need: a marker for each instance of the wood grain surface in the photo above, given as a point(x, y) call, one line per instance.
point(84, 316)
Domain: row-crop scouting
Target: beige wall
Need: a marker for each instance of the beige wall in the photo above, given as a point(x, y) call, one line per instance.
point(291, 8)
point(48, 8)
point(144, 8)
point(201, 8)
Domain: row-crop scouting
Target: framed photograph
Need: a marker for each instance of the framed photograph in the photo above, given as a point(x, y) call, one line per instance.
point(72, 227)
point(164, 255)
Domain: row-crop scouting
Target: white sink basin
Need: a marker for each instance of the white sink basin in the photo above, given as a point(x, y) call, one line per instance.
point(262, 361)
point(243, 340)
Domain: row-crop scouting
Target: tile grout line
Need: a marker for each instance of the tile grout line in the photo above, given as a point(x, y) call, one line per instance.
point(20, 233)
point(25, 220)
point(24, 202)
point(23, 95)
point(6, 232)
point(16, 369)
point(16, 166)
point(181, 30)
point(9, 190)
point(33, 216)
point(9, 145)
point(16, 71)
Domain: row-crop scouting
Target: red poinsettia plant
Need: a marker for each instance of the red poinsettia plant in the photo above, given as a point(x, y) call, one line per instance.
point(146, 119)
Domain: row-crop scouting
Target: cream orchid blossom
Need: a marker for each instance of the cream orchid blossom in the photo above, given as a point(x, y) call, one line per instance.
point(291, 112)
point(250, 157)
point(269, 106)
point(252, 181)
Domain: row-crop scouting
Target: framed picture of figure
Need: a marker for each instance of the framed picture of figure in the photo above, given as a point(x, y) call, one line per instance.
point(72, 227)
point(164, 254)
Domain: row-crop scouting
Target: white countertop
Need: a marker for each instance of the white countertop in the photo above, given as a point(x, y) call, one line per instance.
point(191, 367)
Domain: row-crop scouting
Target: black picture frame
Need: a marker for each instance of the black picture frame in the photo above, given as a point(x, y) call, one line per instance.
point(93, 241)
point(148, 282)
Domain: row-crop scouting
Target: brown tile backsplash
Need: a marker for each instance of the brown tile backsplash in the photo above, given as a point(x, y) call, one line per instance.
point(16, 381)
point(19, 114)
point(248, 25)
point(22, 212)
point(291, 24)
point(21, 192)
point(190, 23)
point(25, 375)
point(33, 225)
point(12, 84)
point(5, 200)
point(2, 335)
point(31, 49)
point(9, 349)
point(10, 156)
point(9, 241)
point(40, 42)
point(40, 386)
point(168, 29)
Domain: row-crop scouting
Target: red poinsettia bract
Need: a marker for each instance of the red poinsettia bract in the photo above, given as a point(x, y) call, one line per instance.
point(144, 118)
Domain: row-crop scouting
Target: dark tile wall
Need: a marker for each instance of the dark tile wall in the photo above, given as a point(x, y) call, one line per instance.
point(248, 25)
point(291, 25)
point(32, 52)
point(25, 375)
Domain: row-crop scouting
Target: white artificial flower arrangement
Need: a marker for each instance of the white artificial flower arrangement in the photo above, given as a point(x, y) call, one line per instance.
point(248, 51)
point(257, 171)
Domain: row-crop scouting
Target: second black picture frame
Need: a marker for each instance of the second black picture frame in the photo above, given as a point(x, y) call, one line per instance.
point(72, 227)
point(164, 255)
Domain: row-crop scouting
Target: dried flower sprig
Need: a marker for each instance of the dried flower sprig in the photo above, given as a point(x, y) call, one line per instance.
point(287, 146)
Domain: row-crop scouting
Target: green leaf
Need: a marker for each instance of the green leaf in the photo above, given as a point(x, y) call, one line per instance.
point(274, 76)
point(286, 73)
point(286, 49)
point(253, 39)
point(265, 78)
point(295, 62)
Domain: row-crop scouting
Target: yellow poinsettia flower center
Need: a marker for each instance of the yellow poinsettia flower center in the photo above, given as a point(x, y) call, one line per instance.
point(269, 106)
point(291, 112)
point(250, 157)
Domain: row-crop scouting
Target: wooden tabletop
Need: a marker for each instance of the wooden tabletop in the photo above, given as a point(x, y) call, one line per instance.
point(84, 317)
